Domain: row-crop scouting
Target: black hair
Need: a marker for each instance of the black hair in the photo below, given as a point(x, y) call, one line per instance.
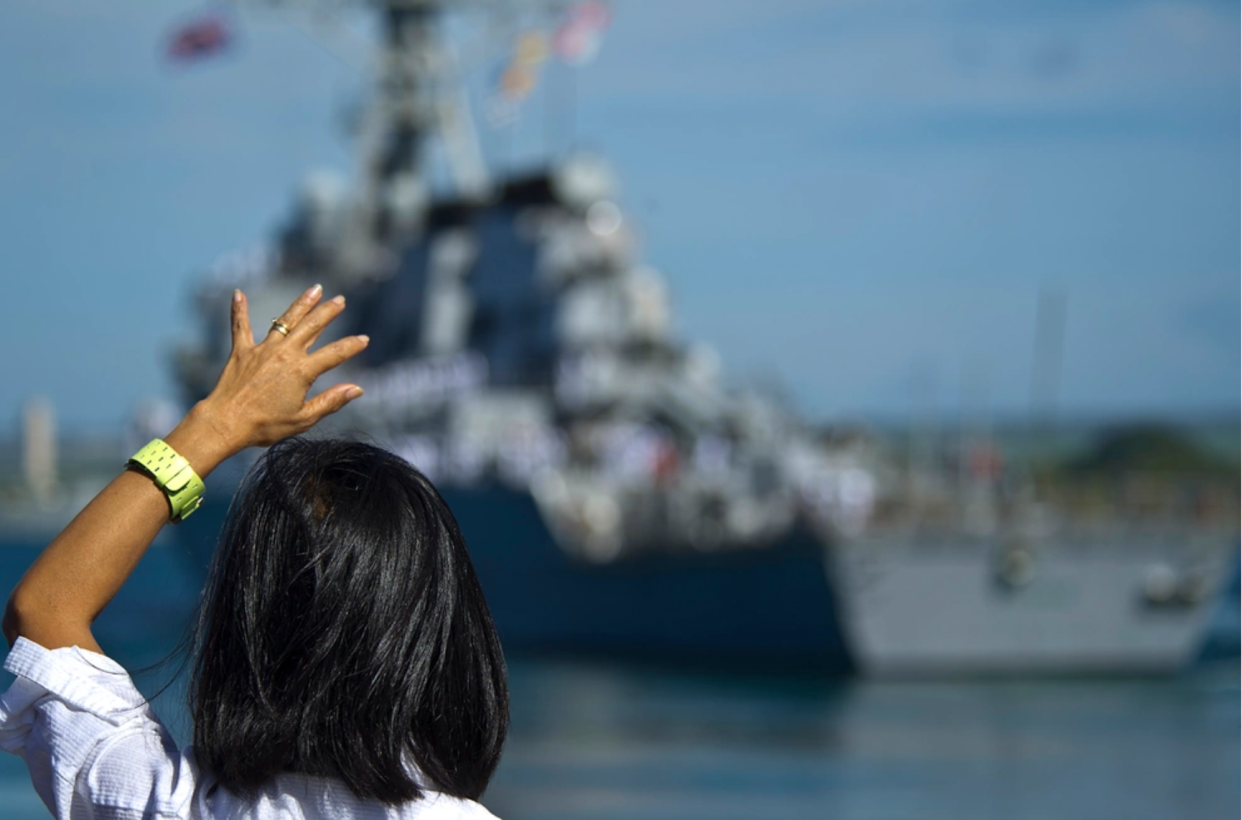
point(343, 632)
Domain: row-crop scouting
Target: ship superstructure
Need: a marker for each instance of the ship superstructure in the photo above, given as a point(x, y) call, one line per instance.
point(616, 495)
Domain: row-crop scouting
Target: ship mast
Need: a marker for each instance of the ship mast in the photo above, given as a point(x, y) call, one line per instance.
point(416, 93)
point(413, 97)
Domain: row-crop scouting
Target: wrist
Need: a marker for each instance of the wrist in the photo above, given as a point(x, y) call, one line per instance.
point(204, 439)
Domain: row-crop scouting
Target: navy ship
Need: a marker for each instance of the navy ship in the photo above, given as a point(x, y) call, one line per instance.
point(617, 497)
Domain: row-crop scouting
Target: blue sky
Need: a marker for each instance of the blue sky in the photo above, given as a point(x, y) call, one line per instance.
point(842, 194)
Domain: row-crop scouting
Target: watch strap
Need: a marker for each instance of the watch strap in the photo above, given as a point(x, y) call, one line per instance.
point(172, 474)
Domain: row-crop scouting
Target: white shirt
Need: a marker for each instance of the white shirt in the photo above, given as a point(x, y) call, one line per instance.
point(96, 751)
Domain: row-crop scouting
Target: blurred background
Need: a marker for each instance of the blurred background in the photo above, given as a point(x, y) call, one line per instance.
point(840, 398)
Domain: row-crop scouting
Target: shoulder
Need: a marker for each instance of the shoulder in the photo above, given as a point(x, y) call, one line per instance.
point(87, 733)
point(437, 806)
point(70, 700)
point(325, 797)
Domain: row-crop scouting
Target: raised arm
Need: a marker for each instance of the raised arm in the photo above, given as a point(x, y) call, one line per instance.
point(259, 400)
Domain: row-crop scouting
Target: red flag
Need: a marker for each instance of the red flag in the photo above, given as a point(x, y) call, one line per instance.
point(577, 39)
point(201, 38)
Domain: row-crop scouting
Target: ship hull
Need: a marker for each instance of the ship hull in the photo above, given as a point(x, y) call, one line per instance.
point(754, 608)
point(928, 608)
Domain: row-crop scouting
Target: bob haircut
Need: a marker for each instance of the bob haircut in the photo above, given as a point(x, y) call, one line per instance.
point(343, 633)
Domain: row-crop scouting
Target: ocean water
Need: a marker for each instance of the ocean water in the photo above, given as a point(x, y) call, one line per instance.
point(595, 741)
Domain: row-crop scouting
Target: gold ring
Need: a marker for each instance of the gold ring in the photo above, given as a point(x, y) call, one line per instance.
point(280, 327)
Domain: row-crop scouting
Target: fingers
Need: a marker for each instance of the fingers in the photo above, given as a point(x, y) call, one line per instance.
point(296, 311)
point(331, 400)
point(242, 335)
point(307, 331)
point(331, 355)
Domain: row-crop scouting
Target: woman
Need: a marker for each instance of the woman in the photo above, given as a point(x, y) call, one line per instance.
point(346, 664)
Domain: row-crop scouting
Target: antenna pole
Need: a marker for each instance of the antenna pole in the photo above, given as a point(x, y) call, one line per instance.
point(1049, 355)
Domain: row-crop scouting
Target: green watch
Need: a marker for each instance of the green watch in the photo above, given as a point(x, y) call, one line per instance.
point(172, 474)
